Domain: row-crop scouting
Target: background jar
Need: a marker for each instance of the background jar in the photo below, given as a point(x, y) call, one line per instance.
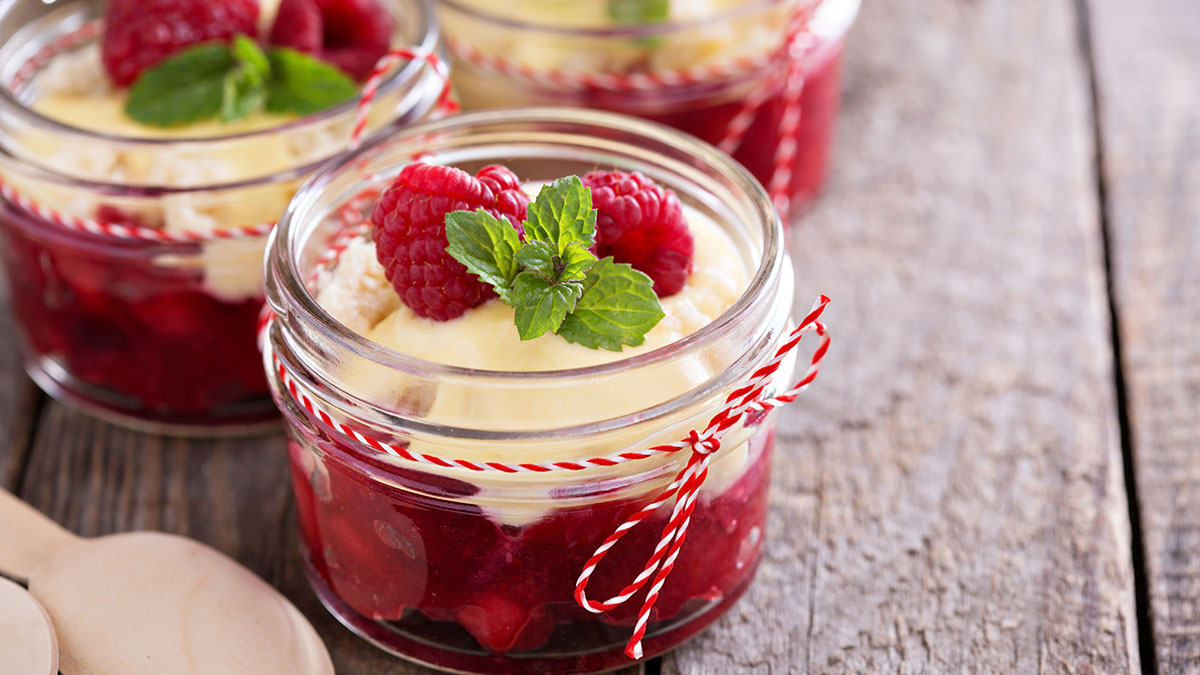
point(156, 332)
point(707, 68)
point(474, 571)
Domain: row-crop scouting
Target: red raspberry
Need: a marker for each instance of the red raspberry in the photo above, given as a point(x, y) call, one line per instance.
point(138, 34)
point(409, 229)
point(298, 25)
point(640, 223)
point(351, 34)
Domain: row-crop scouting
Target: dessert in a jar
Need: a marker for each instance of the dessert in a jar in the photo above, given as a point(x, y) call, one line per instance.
point(146, 149)
point(494, 371)
point(758, 78)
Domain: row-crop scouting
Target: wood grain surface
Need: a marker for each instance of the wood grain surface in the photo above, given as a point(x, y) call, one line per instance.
point(950, 496)
point(1146, 55)
point(19, 401)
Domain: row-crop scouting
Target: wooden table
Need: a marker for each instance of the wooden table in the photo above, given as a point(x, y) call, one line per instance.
point(999, 469)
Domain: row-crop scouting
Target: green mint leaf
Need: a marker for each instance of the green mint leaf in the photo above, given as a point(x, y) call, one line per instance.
point(541, 306)
point(188, 87)
point(539, 257)
point(487, 246)
point(245, 90)
point(572, 265)
point(575, 262)
point(303, 85)
point(562, 214)
point(638, 13)
point(250, 56)
point(618, 307)
point(625, 12)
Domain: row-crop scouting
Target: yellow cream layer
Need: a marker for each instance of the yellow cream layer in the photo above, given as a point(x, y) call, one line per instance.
point(75, 90)
point(357, 294)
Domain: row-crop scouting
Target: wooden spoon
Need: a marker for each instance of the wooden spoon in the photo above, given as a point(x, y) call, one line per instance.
point(28, 645)
point(149, 602)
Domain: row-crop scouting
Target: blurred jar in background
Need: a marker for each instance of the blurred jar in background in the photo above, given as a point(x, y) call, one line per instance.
point(134, 253)
point(758, 78)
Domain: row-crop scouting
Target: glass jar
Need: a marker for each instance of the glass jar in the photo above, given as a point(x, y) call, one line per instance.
point(749, 76)
point(154, 326)
point(473, 571)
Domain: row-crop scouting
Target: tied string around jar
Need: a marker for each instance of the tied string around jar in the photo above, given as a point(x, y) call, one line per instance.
point(752, 397)
point(445, 105)
point(796, 43)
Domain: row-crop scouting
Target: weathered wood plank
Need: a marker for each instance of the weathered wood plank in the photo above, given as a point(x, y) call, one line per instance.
point(1148, 95)
point(19, 400)
point(950, 497)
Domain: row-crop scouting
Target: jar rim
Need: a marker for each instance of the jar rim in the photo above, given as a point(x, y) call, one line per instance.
point(830, 17)
point(282, 278)
point(408, 75)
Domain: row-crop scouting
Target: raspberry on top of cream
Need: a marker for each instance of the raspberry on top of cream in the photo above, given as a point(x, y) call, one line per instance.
point(485, 336)
point(356, 293)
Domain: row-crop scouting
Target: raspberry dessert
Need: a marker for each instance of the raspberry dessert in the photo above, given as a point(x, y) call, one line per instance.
point(589, 302)
point(147, 151)
point(707, 67)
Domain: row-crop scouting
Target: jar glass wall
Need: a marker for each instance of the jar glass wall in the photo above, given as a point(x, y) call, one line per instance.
point(758, 78)
point(155, 331)
point(475, 570)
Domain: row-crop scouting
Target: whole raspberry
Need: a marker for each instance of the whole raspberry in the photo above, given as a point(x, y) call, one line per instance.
point(350, 34)
point(298, 25)
point(138, 34)
point(640, 223)
point(409, 229)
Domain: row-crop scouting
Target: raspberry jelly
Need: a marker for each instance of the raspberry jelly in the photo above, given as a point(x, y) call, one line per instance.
point(696, 70)
point(156, 331)
point(474, 571)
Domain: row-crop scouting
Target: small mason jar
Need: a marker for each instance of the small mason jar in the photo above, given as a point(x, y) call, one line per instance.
point(758, 78)
point(134, 260)
point(474, 571)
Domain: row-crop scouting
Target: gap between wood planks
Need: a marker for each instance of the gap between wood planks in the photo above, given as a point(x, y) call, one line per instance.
point(1145, 626)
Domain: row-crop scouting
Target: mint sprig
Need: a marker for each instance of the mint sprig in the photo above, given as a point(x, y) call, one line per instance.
point(487, 246)
point(234, 81)
point(303, 85)
point(185, 88)
point(618, 307)
point(552, 280)
point(245, 90)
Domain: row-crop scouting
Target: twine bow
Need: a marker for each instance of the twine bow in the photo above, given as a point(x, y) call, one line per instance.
point(686, 487)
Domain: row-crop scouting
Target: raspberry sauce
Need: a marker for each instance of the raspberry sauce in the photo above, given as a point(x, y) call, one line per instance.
point(407, 560)
point(113, 331)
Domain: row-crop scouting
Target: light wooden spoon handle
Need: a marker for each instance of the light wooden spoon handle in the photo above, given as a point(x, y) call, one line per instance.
point(27, 537)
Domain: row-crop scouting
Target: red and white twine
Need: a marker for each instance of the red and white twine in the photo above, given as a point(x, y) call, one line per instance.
point(684, 489)
point(89, 31)
point(796, 43)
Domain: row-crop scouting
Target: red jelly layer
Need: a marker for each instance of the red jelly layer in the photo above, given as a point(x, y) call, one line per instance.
point(434, 578)
point(114, 331)
point(819, 103)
